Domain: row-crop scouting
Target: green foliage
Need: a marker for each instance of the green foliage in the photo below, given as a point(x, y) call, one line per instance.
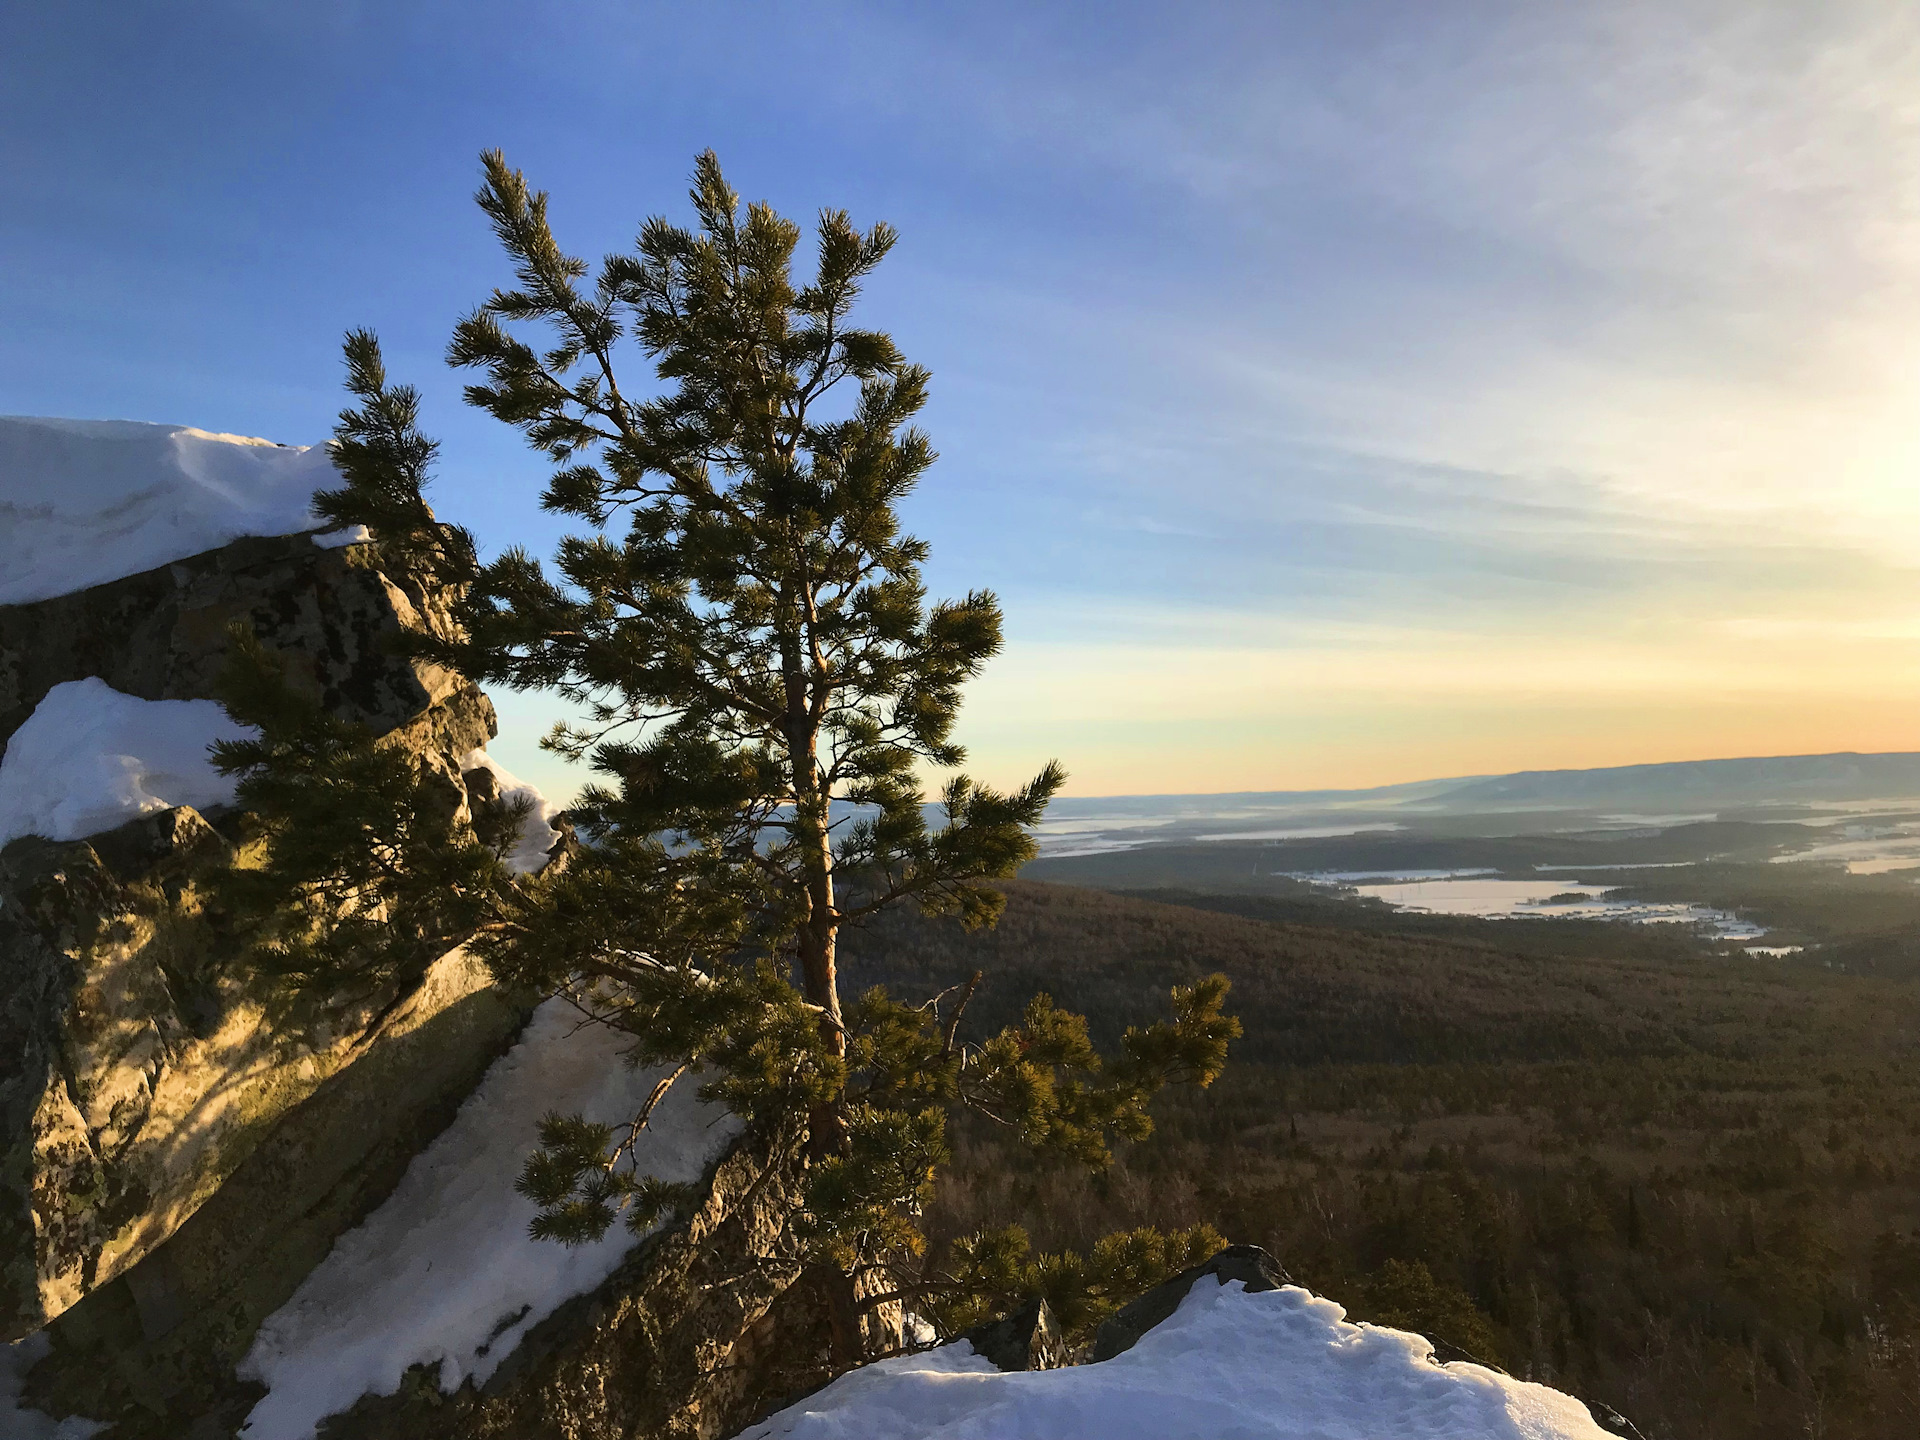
point(993, 1271)
point(749, 1031)
point(580, 1193)
point(740, 622)
point(1045, 1076)
point(368, 859)
point(1405, 1295)
point(386, 461)
point(758, 644)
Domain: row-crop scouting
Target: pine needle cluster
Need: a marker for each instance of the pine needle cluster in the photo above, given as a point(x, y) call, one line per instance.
point(366, 865)
point(993, 1271)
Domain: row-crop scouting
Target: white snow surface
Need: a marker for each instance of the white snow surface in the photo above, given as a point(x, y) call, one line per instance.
point(339, 539)
point(444, 1272)
point(83, 502)
point(1279, 1365)
point(538, 835)
point(90, 758)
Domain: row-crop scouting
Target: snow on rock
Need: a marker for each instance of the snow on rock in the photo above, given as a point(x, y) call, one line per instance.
point(83, 502)
point(1278, 1365)
point(444, 1272)
point(17, 1422)
point(90, 758)
point(538, 834)
point(339, 539)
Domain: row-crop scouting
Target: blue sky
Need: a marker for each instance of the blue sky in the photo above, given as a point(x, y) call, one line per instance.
point(1336, 395)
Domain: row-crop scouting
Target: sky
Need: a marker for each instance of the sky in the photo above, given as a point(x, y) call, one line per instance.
point(1335, 395)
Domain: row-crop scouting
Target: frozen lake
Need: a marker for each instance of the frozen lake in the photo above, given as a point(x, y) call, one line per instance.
point(1096, 835)
point(1866, 849)
point(1543, 899)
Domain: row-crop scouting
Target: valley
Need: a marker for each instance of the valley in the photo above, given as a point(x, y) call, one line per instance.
point(1625, 1159)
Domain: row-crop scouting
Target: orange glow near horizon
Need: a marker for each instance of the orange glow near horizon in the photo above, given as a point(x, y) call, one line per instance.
point(1195, 723)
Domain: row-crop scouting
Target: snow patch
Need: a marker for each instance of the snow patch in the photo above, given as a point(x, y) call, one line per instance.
point(1866, 849)
point(90, 758)
point(83, 502)
point(16, 1421)
point(1280, 1365)
point(538, 833)
point(1309, 832)
point(444, 1272)
point(340, 539)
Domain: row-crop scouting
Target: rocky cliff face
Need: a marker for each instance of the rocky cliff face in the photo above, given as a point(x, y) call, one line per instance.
point(140, 1073)
point(180, 1152)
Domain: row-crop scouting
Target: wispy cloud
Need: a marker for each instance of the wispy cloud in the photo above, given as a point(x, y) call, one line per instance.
point(1363, 389)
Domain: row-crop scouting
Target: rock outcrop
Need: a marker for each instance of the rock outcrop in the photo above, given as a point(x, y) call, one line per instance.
point(179, 1149)
point(1028, 1339)
point(1253, 1267)
point(329, 612)
point(140, 1073)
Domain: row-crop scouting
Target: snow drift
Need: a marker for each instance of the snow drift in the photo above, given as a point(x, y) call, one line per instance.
point(1278, 1365)
point(83, 502)
point(90, 758)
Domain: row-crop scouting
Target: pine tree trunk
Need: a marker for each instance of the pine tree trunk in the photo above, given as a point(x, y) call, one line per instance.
point(827, 1125)
point(811, 812)
point(846, 1342)
point(818, 944)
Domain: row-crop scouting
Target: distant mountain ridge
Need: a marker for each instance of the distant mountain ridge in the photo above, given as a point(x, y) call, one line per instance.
point(1751, 780)
point(1755, 780)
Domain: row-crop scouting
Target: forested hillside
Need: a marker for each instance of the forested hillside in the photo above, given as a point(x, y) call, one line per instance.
point(1683, 1184)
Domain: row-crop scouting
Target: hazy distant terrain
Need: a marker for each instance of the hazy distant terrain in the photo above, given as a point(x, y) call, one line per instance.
point(1769, 854)
point(1785, 787)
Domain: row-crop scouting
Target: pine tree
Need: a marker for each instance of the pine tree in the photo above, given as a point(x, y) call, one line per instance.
point(742, 626)
point(758, 646)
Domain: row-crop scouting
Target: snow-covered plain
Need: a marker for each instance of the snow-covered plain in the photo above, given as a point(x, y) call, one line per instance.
point(90, 758)
point(1067, 838)
point(1278, 1365)
point(1384, 877)
point(83, 502)
point(444, 1272)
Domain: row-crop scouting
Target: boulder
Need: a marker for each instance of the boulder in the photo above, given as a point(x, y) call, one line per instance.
point(1249, 1264)
point(1028, 1339)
